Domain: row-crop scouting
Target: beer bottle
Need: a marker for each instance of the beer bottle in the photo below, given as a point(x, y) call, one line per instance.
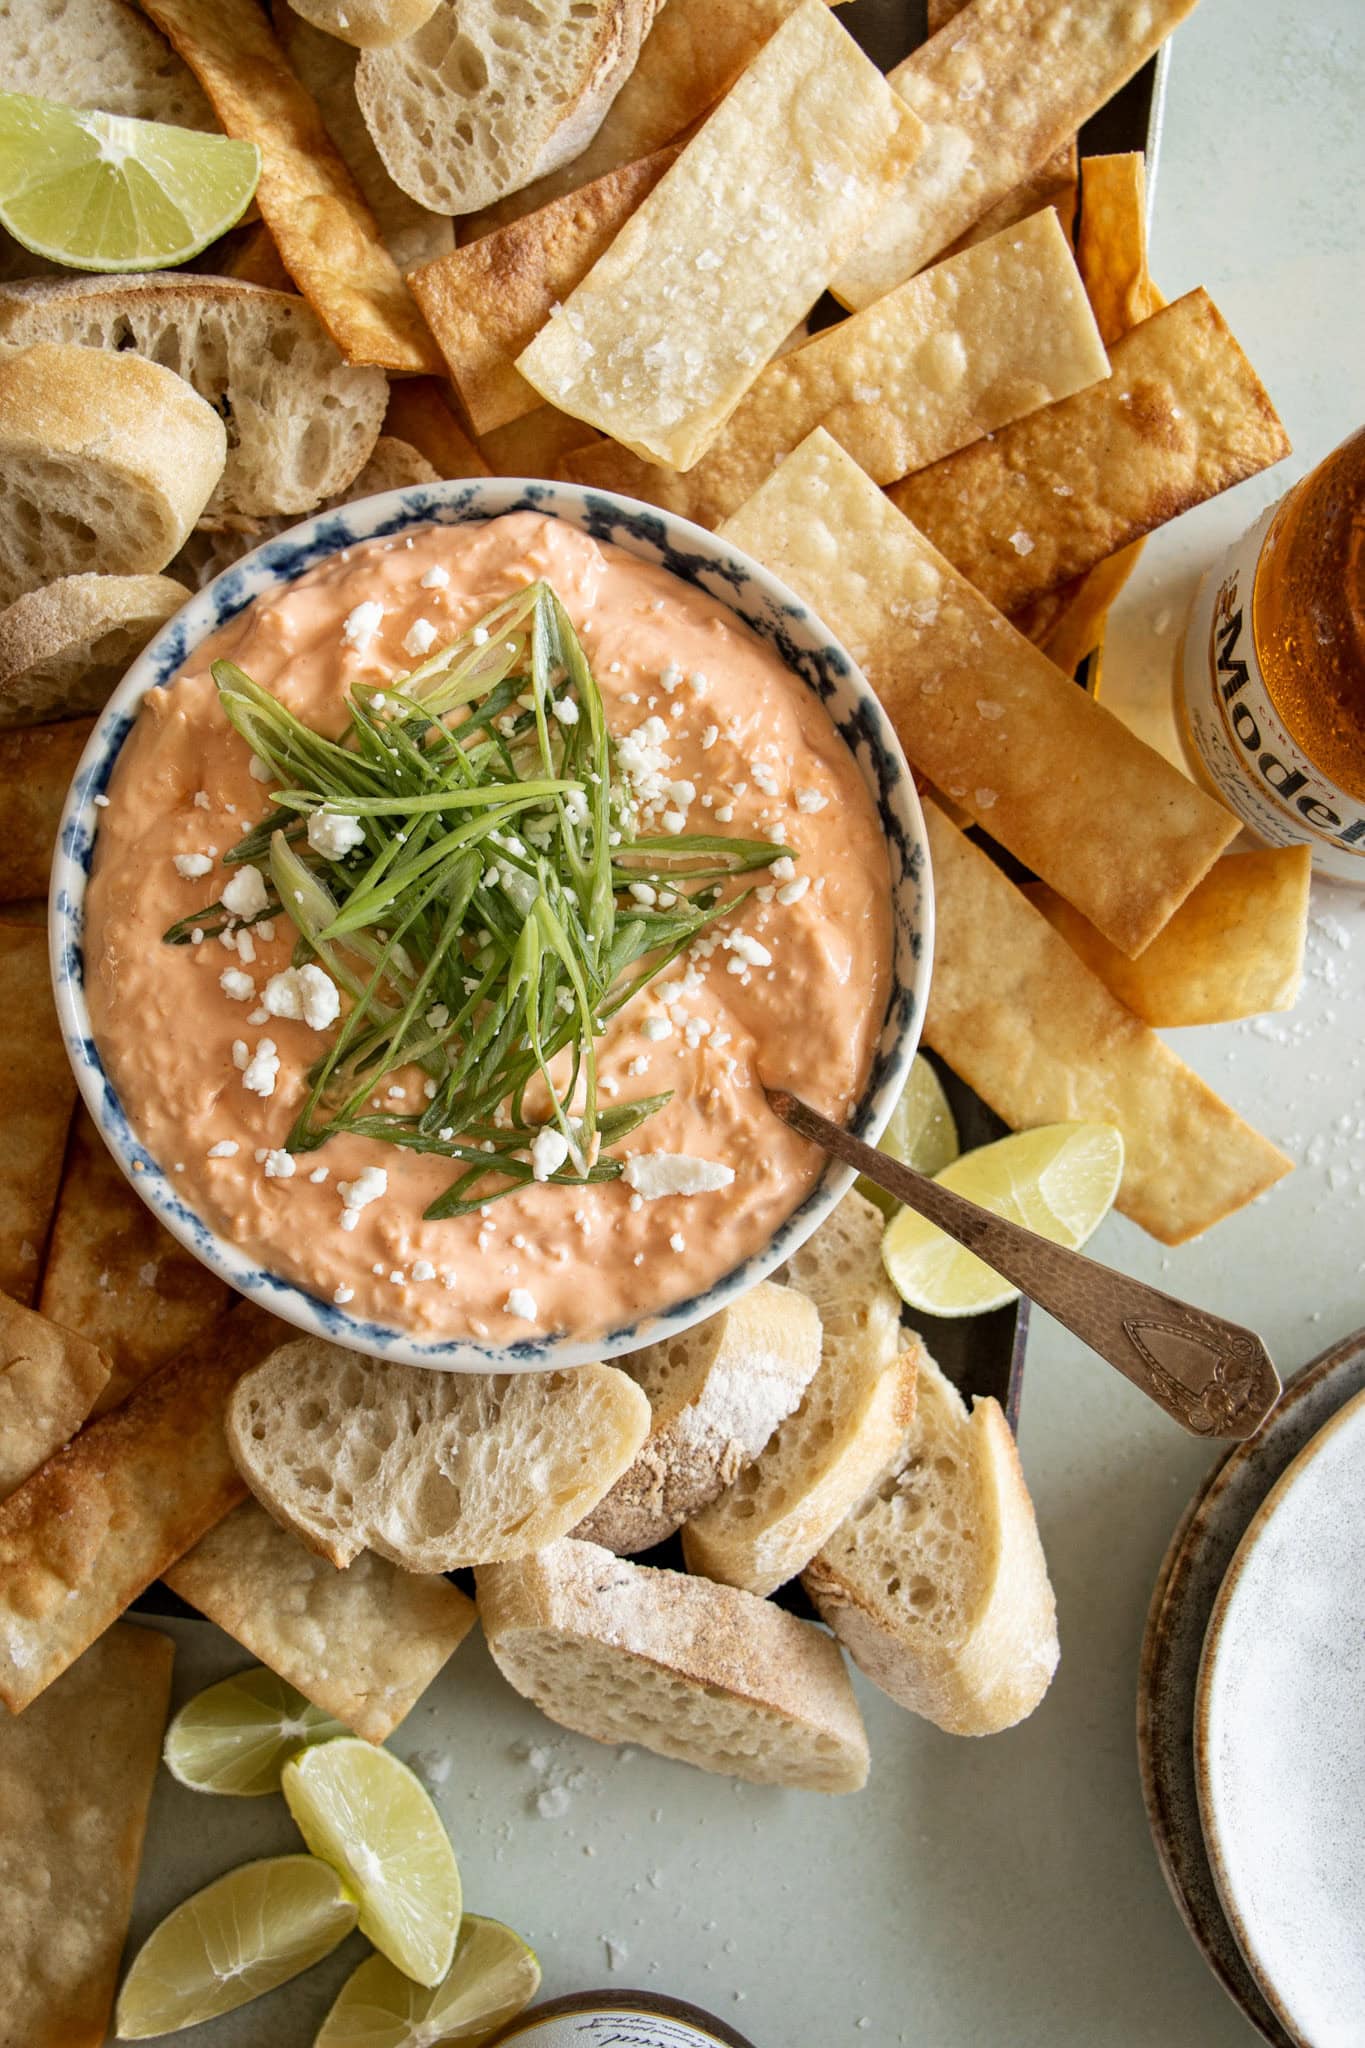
point(642, 2018)
point(1271, 690)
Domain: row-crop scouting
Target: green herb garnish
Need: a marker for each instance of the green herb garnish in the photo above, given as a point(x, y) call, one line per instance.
point(496, 908)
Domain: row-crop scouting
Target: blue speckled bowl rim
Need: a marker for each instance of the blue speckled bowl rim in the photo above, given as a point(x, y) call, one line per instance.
point(699, 558)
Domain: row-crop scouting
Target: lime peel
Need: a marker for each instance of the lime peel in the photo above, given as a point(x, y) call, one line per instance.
point(236, 1737)
point(494, 1976)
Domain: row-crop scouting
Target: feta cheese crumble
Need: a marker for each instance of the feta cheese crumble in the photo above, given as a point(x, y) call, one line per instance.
point(653, 1174)
point(369, 1184)
point(420, 637)
point(549, 1150)
point(332, 833)
point(245, 895)
point(236, 986)
point(303, 994)
point(190, 866)
point(279, 1164)
point(261, 1069)
point(362, 624)
point(520, 1304)
point(436, 578)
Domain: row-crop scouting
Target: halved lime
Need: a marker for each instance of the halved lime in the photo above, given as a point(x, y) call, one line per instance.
point(242, 1935)
point(921, 1132)
point(367, 1815)
point(493, 1977)
point(1059, 1180)
point(238, 1736)
point(105, 192)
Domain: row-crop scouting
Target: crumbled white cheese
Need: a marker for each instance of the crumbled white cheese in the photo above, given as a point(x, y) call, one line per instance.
point(190, 866)
point(279, 1164)
point(521, 1304)
point(420, 637)
point(332, 833)
point(422, 1269)
point(236, 986)
point(304, 994)
point(436, 578)
point(259, 1073)
point(341, 1295)
point(201, 801)
point(709, 738)
point(479, 635)
point(226, 1148)
point(369, 1184)
point(566, 711)
point(653, 1174)
point(749, 950)
point(260, 771)
point(783, 869)
point(810, 800)
point(241, 1052)
point(549, 1150)
point(656, 1029)
point(319, 1174)
point(362, 624)
point(792, 892)
point(245, 895)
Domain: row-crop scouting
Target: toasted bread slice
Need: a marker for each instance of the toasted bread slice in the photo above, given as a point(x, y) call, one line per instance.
point(430, 1469)
point(936, 1581)
point(62, 649)
point(301, 422)
point(854, 1413)
point(98, 53)
point(716, 1394)
point(481, 101)
point(366, 24)
point(703, 1673)
point(108, 460)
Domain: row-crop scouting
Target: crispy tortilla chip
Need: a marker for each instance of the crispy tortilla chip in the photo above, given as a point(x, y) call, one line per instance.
point(1055, 184)
point(669, 329)
point(1056, 779)
point(36, 766)
point(49, 1381)
point(1233, 949)
point(1183, 417)
point(114, 1274)
point(76, 1778)
point(1025, 1022)
point(1112, 246)
point(1004, 87)
point(953, 354)
point(363, 1644)
point(37, 1093)
point(420, 415)
point(1068, 623)
point(98, 1522)
point(486, 301)
point(537, 444)
point(326, 235)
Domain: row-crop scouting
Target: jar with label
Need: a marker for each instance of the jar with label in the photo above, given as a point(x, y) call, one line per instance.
point(618, 2019)
point(1271, 691)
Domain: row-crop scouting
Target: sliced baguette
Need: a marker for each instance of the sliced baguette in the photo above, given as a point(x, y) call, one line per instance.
point(936, 1581)
point(623, 1653)
point(432, 1470)
point(366, 24)
point(851, 1419)
point(98, 53)
point(300, 421)
point(63, 648)
point(481, 100)
point(716, 1394)
point(107, 460)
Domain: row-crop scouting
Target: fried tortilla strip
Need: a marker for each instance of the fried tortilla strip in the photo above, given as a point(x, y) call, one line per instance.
point(363, 1644)
point(327, 237)
point(1069, 622)
point(1233, 949)
point(1025, 1022)
point(253, 258)
point(37, 763)
point(954, 353)
point(37, 1092)
point(486, 301)
point(49, 1381)
point(98, 1522)
point(538, 444)
point(420, 415)
point(76, 1778)
point(116, 1275)
point(669, 329)
point(1057, 780)
point(999, 89)
point(1183, 417)
point(1112, 246)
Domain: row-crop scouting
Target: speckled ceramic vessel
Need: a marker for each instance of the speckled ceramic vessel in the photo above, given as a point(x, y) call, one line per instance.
point(698, 558)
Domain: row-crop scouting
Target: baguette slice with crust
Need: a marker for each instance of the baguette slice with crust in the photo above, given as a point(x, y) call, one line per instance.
point(716, 1394)
point(62, 649)
point(853, 1415)
point(107, 461)
point(366, 24)
point(300, 422)
point(432, 1470)
point(936, 1581)
point(700, 1672)
point(98, 54)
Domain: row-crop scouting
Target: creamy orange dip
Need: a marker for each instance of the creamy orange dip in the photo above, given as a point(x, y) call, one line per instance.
point(764, 761)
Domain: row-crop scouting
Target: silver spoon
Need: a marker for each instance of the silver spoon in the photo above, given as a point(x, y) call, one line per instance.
point(1213, 1377)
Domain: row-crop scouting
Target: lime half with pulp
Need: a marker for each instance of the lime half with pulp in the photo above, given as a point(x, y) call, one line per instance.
point(238, 1736)
point(494, 1975)
point(921, 1132)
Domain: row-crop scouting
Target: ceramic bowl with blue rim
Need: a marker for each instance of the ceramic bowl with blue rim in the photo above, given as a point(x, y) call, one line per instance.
point(765, 605)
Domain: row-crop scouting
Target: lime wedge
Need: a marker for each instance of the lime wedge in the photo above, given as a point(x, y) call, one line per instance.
point(103, 192)
point(493, 1977)
point(242, 1935)
point(1059, 1180)
point(238, 1736)
point(921, 1132)
point(365, 1813)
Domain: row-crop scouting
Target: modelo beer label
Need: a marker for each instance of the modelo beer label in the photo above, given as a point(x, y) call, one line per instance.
point(1255, 766)
point(621, 2028)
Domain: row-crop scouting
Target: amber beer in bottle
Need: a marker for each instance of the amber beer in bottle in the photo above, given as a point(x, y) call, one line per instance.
point(1271, 692)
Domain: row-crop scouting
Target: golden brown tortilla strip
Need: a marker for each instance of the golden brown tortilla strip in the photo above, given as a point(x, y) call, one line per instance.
point(1050, 774)
point(537, 444)
point(37, 1092)
point(1055, 184)
point(116, 1275)
point(698, 291)
point(486, 301)
point(998, 90)
point(49, 1381)
point(1233, 949)
point(363, 1644)
point(99, 1521)
point(419, 413)
point(1111, 248)
point(1025, 1022)
point(1183, 417)
point(326, 235)
point(76, 1778)
point(1068, 623)
point(958, 351)
point(37, 763)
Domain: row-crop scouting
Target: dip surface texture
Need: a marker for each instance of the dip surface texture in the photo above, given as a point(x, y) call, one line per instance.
point(735, 723)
